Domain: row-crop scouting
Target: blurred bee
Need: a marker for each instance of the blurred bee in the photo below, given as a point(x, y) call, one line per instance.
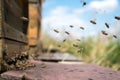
point(84, 4)
point(64, 40)
point(117, 17)
point(71, 26)
point(107, 25)
point(43, 65)
point(82, 28)
point(80, 50)
point(59, 45)
point(24, 18)
point(67, 33)
point(74, 45)
point(114, 36)
point(103, 32)
point(56, 31)
point(78, 39)
point(93, 22)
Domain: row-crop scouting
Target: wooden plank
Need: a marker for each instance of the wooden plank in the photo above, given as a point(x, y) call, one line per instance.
point(11, 17)
point(33, 30)
point(13, 47)
point(13, 34)
point(13, 7)
point(1, 18)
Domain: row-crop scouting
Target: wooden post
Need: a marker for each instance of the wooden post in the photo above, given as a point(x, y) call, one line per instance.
point(34, 29)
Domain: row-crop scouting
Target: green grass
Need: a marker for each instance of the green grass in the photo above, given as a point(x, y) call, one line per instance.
point(104, 52)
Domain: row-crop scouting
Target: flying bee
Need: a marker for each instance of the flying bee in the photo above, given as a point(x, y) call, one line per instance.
point(71, 26)
point(103, 32)
point(107, 25)
point(114, 36)
point(82, 28)
point(43, 65)
point(64, 40)
point(93, 22)
point(78, 39)
point(84, 4)
point(74, 45)
point(117, 17)
point(24, 18)
point(59, 45)
point(56, 31)
point(80, 50)
point(67, 33)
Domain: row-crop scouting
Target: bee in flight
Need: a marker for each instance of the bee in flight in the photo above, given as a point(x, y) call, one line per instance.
point(93, 21)
point(114, 36)
point(64, 40)
point(103, 32)
point(82, 28)
point(67, 33)
point(78, 39)
point(56, 31)
point(74, 45)
point(80, 50)
point(107, 25)
point(71, 26)
point(117, 17)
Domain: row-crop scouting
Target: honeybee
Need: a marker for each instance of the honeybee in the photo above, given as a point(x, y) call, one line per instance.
point(93, 22)
point(117, 17)
point(71, 26)
point(64, 40)
point(82, 28)
point(80, 50)
point(103, 32)
point(56, 31)
point(67, 33)
point(59, 45)
point(24, 18)
point(84, 3)
point(107, 25)
point(74, 45)
point(114, 36)
point(78, 39)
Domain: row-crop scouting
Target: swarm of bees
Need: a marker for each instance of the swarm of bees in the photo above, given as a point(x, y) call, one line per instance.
point(19, 62)
point(84, 3)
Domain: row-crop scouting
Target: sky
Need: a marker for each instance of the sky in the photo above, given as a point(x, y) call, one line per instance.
point(60, 14)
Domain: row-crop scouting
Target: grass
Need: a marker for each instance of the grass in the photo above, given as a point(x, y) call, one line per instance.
point(104, 52)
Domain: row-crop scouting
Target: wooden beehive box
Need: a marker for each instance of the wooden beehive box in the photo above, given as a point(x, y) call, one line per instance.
point(13, 28)
point(35, 7)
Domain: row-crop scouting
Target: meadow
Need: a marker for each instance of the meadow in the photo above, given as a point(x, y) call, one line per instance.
point(101, 51)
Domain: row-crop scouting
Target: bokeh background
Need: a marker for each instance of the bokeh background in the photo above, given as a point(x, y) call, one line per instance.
point(83, 38)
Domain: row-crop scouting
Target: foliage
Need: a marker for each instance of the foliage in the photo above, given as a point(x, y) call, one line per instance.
point(102, 51)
